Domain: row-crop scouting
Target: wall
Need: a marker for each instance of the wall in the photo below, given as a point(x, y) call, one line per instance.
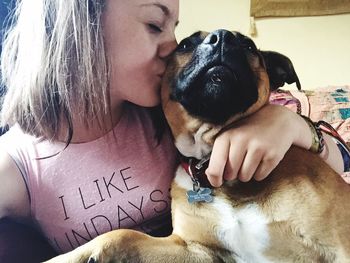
point(319, 47)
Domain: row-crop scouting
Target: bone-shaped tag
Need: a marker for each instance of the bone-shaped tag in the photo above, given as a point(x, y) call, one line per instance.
point(203, 194)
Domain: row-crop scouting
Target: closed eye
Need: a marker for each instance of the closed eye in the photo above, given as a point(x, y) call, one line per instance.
point(154, 28)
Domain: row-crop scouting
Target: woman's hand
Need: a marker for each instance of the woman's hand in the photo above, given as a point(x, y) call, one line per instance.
point(256, 144)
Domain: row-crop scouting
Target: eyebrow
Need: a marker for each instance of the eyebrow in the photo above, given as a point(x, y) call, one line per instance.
point(164, 8)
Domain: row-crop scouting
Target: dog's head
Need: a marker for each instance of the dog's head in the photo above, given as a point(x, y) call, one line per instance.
point(214, 79)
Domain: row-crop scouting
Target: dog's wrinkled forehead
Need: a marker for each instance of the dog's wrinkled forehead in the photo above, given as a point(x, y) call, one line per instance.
point(188, 43)
point(202, 50)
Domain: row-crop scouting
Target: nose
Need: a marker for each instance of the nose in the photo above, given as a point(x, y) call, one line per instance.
point(218, 37)
point(167, 47)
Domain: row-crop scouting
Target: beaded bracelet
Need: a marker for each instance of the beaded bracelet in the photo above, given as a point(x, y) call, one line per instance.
point(317, 144)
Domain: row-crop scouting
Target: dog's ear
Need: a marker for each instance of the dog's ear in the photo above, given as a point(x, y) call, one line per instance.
point(280, 70)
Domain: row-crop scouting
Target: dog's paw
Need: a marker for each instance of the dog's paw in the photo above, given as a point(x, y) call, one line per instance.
point(114, 246)
point(80, 256)
point(100, 256)
point(88, 253)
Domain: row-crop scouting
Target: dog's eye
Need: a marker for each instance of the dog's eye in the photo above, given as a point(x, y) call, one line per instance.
point(248, 46)
point(184, 45)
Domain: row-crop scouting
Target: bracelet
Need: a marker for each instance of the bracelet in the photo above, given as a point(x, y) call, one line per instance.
point(317, 144)
point(342, 145)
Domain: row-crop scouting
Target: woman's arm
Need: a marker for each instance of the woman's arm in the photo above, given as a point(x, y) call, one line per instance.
point(14, 199)
point(255, 146)
point(330, 152)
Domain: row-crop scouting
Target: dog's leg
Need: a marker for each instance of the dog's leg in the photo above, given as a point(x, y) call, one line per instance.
point(136, 247)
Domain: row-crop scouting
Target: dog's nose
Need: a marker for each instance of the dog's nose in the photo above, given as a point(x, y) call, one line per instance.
point(220, 36)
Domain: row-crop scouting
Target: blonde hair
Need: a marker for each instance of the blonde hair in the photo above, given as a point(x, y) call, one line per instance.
point(54, 66)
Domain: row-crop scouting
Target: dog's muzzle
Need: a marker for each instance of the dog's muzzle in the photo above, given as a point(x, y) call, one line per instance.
point(218, 81)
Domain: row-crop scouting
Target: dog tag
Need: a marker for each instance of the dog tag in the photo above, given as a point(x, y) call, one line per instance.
point(202, 195)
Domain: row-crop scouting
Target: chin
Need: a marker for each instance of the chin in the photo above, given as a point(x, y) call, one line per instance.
point(147, 102)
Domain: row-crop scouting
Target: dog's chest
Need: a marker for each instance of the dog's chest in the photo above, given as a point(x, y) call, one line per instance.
point(243, 231)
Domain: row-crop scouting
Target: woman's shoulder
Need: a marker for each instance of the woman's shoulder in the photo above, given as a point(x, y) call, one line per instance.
point(13, 196)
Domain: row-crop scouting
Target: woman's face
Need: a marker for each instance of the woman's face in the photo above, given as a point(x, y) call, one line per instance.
point(139, 36)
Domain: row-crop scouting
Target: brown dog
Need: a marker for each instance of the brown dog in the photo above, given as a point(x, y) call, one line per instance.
point(300, 213)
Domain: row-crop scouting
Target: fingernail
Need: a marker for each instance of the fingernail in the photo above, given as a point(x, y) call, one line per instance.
point(215, 181)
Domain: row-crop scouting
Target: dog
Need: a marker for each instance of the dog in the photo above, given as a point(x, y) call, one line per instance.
point(299, 213)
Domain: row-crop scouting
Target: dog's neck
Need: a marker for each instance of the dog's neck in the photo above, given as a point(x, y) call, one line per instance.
point(196, 170)
point(197, 144)
point(197, 140)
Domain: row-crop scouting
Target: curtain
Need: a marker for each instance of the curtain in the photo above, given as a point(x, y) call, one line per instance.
point(290, 8)
point(268, 8)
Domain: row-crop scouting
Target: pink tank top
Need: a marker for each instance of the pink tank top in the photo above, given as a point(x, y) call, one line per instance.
point(113, 182)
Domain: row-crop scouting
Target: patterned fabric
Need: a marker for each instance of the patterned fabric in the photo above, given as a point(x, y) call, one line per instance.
point(331, 104)
point(285, 98)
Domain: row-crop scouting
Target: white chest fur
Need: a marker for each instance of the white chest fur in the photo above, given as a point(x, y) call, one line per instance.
point(243, 231)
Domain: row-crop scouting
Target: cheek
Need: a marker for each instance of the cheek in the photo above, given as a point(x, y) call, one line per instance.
point(129, 67)
point(135, 83)
point(135, 62)
point(128, 54)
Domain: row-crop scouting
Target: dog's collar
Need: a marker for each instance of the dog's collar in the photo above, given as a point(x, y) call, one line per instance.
point(196, 170)
point(202, 191)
